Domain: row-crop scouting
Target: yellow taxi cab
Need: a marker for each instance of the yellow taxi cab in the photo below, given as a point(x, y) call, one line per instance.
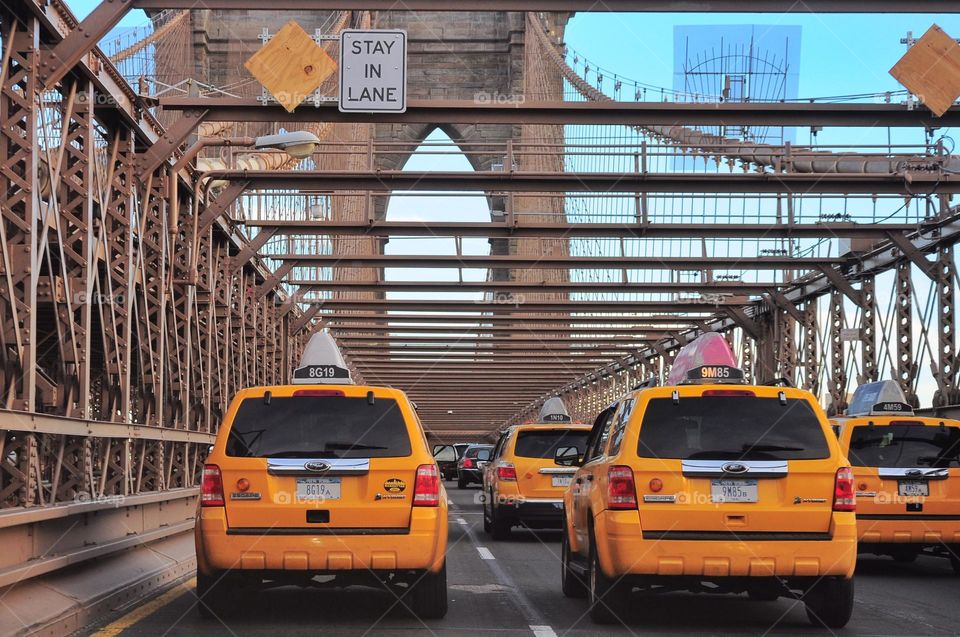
point(320, 478)
point(523, 483)
point(907, 473)
point(712, 485)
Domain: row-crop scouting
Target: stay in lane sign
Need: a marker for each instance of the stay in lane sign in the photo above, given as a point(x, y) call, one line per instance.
point(373, 71)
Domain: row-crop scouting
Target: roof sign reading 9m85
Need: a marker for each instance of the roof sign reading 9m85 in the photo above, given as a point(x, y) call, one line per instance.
point(373, 71)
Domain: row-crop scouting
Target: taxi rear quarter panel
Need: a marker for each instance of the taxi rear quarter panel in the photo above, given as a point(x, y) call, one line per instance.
point(368, 533)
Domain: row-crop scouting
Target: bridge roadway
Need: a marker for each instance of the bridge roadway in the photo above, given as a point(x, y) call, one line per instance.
point(516, 591)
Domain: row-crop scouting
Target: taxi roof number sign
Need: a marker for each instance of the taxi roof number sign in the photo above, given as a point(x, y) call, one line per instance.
point(881, 397)
point(707, 358)
point(373, 71)
point(554, 410)
point(322, 363)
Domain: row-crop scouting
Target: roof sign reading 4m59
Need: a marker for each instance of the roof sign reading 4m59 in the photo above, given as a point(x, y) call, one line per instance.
point(373, 71)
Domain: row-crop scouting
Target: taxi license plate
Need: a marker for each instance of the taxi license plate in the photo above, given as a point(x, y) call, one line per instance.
point(561, 481)
point(733, 490)
point(318, 489)
point(913, 488)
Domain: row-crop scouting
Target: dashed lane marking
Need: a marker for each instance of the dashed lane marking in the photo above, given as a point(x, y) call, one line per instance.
point(461, 521)
point(542, 631)
point(485, 553)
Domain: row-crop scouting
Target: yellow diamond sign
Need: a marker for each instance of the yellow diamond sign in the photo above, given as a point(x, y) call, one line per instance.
point(931, 70)
point(291, 66)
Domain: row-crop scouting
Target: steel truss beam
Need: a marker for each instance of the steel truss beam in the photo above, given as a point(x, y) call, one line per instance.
point(613, 319)
point(518, 307)
point(522, 229)
point(608, 113)
point(536, 262)
point(912, 183)
point(506, 288)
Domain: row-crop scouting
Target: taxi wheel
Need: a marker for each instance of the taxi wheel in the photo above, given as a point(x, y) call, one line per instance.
point(830, 602)
point(955, 558)
point(486, 519)
point(428, 596)
point(573, 584)
point(499, 527)
point(608, 598)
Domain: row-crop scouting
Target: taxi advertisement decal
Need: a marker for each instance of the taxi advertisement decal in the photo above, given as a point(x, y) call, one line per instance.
point(395, 485)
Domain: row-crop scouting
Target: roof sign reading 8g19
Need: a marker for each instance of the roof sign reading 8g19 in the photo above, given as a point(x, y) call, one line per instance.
point(317, 373)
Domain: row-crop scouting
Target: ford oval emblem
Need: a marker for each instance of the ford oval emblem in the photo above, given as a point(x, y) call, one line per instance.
point(316, 465)
point(913, 472)
point(734, 467)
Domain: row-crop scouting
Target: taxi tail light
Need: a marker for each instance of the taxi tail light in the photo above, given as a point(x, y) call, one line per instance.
point(507, 472)
point(467, 463)
point(426, 488)
point(844, 497)
point(319, 392)
point(211, 489)
point(742, 393)
point(621, 492)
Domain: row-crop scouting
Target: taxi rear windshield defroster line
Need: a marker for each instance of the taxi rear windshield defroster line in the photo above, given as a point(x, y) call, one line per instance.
point(905, 445)
point(318, 427)
point(731, 427)
point(544, 444)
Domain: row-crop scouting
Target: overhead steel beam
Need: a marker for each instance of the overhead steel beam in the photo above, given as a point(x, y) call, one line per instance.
point(911, 183)
point(428, 319)
point(553, 261)
point(713, 287)
point(472, 332)
point(227, 109)
point(682, 6)
point(520, 307)
point(521, 229)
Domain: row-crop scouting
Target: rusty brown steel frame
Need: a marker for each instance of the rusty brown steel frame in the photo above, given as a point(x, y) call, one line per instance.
point(123, 332)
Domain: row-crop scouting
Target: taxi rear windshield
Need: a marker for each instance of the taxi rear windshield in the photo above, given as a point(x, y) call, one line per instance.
point(318, 427)
point(905, 445)
point(544, 444)
point(731, 427)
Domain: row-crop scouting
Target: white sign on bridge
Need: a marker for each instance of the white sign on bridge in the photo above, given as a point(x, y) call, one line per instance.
point(373, 71)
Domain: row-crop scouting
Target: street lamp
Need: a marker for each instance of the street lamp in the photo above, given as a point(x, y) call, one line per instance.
point(297, 144)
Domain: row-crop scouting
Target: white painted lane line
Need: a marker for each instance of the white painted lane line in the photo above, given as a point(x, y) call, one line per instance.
point(542, 631)
point(485, 553)
point(461, 521)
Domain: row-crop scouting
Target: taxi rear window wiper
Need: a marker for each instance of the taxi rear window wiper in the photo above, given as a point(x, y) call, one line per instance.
point(749, 447)
point(351, 445)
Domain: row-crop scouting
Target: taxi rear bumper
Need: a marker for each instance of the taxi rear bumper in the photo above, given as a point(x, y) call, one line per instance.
point(915, 528)
point(624, 548)
point(321, 550)
point(534, 512)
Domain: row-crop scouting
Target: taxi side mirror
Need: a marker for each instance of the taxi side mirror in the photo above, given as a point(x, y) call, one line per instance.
point(567, 457)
